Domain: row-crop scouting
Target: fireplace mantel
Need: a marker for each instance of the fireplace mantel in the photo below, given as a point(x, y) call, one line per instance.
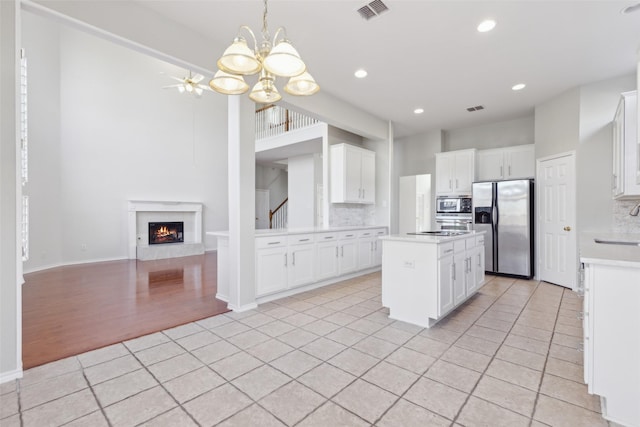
point(139, 247)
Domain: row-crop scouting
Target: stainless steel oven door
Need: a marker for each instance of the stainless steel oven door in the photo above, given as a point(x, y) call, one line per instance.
point(454, 223)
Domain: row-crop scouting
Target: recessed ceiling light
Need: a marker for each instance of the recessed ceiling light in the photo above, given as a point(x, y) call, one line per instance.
point(418, 111)
point(361, 73)
point(486, 25)
point(519, 86)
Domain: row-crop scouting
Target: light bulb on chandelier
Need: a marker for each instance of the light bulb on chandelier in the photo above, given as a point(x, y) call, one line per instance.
point(272, 58)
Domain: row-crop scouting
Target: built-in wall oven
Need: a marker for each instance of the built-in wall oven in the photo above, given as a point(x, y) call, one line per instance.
point(454, 213)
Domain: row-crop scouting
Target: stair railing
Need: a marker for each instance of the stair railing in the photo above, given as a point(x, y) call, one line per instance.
point(278, 216)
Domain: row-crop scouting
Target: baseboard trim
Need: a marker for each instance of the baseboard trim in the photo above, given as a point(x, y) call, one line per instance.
point(242, 308)
point(5, 377)
point(66, 264)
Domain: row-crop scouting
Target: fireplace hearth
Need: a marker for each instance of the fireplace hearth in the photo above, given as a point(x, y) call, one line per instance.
point(166, 232)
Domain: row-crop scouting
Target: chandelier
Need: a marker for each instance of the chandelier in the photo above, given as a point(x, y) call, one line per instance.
point(271, 59)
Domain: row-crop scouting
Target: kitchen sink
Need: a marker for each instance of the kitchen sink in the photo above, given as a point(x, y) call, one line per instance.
point(617, 242)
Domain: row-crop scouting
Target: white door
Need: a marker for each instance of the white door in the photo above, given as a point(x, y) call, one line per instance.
point(262, 209)
point(557, 261)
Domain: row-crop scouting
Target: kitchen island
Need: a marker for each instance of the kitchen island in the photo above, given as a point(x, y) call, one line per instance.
point(425, 277)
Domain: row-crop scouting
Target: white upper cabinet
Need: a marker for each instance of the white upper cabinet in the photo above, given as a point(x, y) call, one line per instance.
point(506, 163)
point(353, 174)
point(625, 149)
point(455, 172)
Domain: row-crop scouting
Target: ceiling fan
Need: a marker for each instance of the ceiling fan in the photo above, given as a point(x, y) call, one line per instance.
point(190, 84)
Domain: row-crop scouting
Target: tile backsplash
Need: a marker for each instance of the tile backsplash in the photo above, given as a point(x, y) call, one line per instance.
point(622, 221)
point(347, 214)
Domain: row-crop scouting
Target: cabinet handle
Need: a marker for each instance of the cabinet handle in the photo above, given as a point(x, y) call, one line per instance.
point(303, 240)
point(457, 183)
point(273, 243)
point(349, 235)
point(342, 251)
point(363, 193)
point(293, 261)
point(285, 260)
point(336, 252)
point(509, 170)
point(448, 251)
point(453, 271)
point(450, 185)
point(328, 237)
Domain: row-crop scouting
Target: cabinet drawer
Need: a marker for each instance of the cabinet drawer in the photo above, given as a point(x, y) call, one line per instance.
point(445, 249)
point(326, 237)
point(459, 246)
point(380, 232)
point(366, 233)
point(270, 242)
point(300, 239)
point(346, 235)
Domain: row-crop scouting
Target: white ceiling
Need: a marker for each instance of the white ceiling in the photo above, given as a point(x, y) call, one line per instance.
point(428, 53)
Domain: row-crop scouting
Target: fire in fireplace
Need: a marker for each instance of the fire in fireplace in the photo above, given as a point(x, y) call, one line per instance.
point(166, 232)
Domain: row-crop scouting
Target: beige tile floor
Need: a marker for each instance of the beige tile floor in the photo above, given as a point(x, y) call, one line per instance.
point(331, 357)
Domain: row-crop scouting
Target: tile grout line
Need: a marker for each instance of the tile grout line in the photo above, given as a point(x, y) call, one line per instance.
point(484, 372)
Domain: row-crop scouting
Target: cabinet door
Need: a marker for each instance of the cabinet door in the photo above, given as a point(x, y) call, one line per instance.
point(348, 259)
point(327, 260)
point(301, 265)
point(490, 165)
point(520, 162)
point(464, 172)
point(445, 284)
point(444, 167)
point(365, 253)
point(459, 276)
point(368, 177)
point(353, 171)
point(271, 270)
point(477, 262)
point(377, 252)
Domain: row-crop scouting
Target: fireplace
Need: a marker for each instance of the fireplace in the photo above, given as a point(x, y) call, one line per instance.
point(166, 232)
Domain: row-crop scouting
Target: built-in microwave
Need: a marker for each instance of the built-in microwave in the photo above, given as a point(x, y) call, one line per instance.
point(448, 204)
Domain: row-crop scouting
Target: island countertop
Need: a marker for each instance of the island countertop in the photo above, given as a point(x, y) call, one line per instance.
point(266, 232)
point(426, 238)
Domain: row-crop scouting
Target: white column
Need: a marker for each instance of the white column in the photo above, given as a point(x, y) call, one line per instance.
point(10, 192)
point(242, 163)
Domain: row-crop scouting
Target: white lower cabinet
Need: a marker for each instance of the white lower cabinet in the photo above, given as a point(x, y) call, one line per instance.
point(285, 262)
point(611, 316)
point(348, 258)
point(302, 259)
point(445, 280)
point(459, 272)
point(326, 256)
point(271, 266)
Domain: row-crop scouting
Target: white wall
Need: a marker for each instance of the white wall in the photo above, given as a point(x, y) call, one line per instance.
point(10, 271)
point(301, 206)
point(598, 103)
point(121, 137)
point(275, 180)
point(556, 124)
point(508, 133)
point(580, 120)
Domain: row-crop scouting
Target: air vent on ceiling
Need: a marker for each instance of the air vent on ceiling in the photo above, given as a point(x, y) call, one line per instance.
point(373, 9)
point(476, 108)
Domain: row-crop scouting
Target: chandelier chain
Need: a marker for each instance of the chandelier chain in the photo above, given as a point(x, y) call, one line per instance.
point(265, 30)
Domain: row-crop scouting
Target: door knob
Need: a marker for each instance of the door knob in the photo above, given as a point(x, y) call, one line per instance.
point(567, 228)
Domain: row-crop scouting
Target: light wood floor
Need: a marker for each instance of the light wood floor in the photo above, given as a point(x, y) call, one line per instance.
point(73, 309)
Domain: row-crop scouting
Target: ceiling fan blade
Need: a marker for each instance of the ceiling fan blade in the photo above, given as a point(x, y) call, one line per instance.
point(205, 87)
point(176, 79)
point(170, 86)
point(197, 78)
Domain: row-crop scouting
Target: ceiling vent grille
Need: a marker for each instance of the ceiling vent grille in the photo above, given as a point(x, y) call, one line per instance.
point(476, 108)
point(373, 9)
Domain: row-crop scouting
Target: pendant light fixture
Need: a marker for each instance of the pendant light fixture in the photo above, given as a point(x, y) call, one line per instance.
point(271, 58)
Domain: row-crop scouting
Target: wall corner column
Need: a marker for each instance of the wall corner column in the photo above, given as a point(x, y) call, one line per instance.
point(242, 162)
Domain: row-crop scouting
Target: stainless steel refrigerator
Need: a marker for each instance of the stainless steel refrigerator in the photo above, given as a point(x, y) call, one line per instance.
point(504, 210)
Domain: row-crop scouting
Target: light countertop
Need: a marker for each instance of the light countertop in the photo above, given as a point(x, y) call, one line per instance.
point(425, 238)
point(287, 231)
point(610, 254)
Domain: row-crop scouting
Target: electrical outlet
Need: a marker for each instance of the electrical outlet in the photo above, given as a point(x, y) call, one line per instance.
point(83, 247)
point(409, 264)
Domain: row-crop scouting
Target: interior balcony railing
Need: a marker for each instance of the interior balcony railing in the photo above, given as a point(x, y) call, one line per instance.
point(273, 120)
